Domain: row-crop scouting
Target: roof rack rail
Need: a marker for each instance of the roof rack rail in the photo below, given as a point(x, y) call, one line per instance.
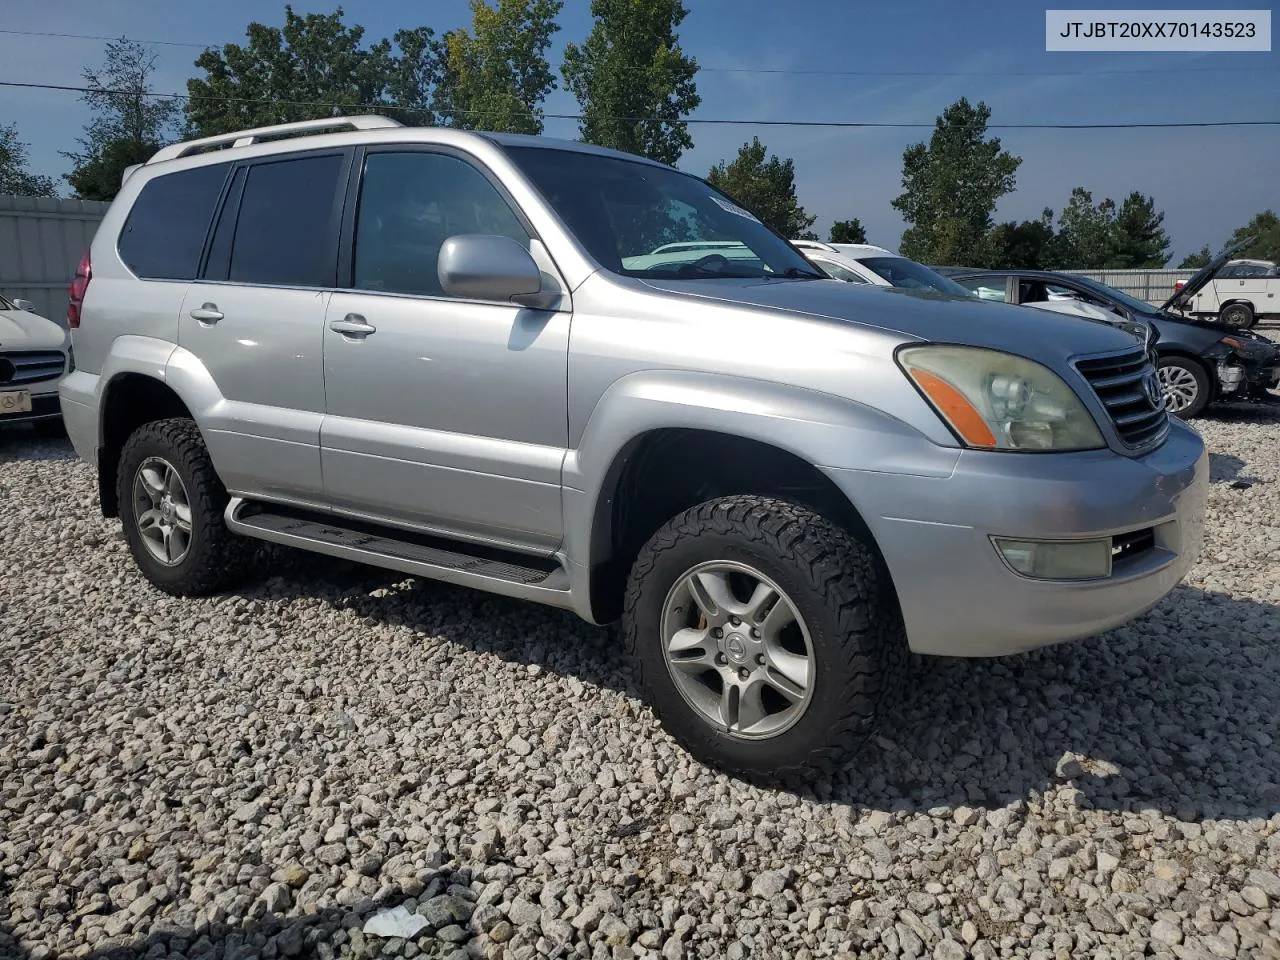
point(243, 138)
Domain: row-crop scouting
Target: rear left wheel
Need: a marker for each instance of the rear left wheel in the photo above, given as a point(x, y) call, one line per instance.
point(170, 504)
point(766, 637)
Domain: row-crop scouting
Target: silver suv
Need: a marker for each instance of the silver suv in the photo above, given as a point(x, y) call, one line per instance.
point(528, 366)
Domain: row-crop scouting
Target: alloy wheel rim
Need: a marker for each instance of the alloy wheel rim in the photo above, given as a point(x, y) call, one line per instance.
point(162, 510)
point(1180, 387)
point(738, 650)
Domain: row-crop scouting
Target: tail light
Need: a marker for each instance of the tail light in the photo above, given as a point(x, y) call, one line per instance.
point(84, 272)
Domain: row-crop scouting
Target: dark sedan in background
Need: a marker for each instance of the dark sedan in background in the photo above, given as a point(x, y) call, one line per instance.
point(1198, 362)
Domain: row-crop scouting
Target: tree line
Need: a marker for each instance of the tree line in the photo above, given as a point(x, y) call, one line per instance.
point(635, 87)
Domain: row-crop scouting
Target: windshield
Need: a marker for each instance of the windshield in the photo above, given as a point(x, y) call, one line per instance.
point(901, 272)
point(642, 220)
point(1119, 296)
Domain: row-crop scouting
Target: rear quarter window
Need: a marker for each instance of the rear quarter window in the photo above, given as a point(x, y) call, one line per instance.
point(165, 230)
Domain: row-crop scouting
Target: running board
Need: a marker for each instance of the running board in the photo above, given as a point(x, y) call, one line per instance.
point(542, 580)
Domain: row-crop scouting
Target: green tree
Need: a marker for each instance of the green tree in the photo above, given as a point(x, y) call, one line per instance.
point(314, 66)
point(1029, 245)
point(1085, 232)
point(496, 76)
point(129, 122)
point(633, 81)
point(1138, 236)
point(951, 185)
point(1264, 229)
point(1194, 261)
point(847, 231)
point(766, 187)
point(1103, 236)
point(15, 177)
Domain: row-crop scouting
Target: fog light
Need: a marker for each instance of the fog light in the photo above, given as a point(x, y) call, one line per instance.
point(1058, 559)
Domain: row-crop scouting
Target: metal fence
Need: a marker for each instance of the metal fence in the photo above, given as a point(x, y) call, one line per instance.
point(41, 241)
point(1153, 286)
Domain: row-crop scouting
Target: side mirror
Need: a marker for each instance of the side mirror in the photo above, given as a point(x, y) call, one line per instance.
point(26, 305)
point(478, 266)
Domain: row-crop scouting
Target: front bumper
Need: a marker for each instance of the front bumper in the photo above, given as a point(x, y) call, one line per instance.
point(44, 403)
point(958, 596)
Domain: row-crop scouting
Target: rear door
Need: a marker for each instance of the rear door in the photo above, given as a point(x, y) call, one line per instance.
point(254, 320)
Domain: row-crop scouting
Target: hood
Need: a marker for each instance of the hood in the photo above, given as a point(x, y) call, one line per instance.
point(20, 330)
point(1204, 274)
point(917, 314)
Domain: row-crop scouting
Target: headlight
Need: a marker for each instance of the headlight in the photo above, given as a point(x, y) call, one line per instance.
point(997, 401)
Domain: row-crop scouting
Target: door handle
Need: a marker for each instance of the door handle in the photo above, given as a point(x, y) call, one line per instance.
point(353, 325)
point(207, 313)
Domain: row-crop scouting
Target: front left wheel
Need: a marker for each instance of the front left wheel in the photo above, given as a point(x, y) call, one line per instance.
point(766, 637)
point(171, 504)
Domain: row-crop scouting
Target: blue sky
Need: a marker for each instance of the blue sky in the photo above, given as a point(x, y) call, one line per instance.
point(1208, 181)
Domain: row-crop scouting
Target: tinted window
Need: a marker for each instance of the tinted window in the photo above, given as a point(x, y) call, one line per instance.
point(410, 203)
point(165, 232)
point(644, 220)
point(287, 233)
point(987, 288)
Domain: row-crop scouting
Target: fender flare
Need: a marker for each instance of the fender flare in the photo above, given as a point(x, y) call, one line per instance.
point(819, 428)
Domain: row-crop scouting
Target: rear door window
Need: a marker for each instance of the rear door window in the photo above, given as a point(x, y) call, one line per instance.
point(165, 231)
point(286, 233)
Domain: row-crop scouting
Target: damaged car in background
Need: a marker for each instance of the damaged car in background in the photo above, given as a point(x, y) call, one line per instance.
point(1198, 362)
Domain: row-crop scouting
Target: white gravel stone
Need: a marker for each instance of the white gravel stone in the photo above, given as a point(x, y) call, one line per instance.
point(260, 772)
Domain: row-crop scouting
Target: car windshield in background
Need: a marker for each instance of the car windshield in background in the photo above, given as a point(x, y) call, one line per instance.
point(642, 220)
point(1119, 296)
point(901, 272)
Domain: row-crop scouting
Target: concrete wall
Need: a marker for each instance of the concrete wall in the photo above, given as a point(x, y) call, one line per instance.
point(41, 241)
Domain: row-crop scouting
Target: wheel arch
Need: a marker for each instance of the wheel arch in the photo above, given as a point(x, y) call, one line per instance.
point(748, 437)
point(130, 399)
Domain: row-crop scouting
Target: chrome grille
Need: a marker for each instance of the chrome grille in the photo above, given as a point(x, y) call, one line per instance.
point(21, 367)
point(1120, 383)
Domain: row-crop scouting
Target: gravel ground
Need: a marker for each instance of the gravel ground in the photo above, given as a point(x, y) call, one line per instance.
point(256, 774)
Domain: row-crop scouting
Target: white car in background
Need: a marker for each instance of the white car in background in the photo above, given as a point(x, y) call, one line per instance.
point(866, 263)
point(34, 355)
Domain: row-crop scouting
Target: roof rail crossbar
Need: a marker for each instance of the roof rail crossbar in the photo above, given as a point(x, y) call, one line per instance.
point(243, 138)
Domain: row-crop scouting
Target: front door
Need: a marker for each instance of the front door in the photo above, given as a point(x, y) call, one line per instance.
point(255, 318)
point(443, 414)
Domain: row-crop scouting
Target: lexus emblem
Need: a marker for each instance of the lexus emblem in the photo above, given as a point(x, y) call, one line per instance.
point(1155, 393)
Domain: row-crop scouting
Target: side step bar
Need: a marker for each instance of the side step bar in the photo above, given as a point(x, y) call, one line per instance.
point(542, 580)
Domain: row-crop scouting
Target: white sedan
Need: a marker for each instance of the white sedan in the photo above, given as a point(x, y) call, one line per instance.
point(34, 355)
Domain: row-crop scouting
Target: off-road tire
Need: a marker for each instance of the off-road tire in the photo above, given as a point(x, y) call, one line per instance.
point(216, 558)
point(841, 589)
point(1238, 316)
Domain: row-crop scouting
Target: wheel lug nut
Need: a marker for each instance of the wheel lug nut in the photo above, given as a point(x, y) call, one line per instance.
point(760, 659)
point(717, 633)
point(755, 632)
point(735, 621)
point(721, 659)
point(743, 674)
